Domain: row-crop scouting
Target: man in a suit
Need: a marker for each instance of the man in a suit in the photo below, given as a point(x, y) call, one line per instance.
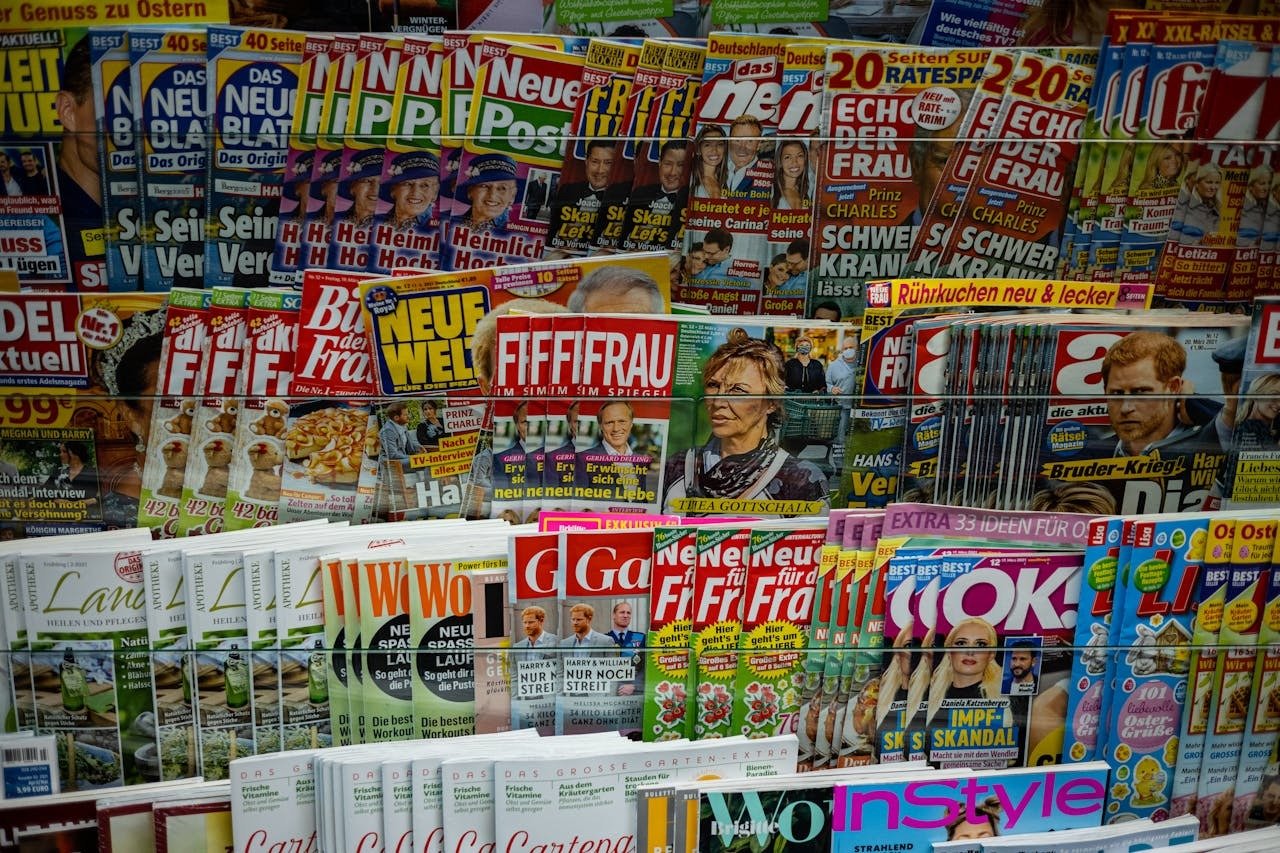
point(583, 198)
point(659, 207)
point(596, 466)
point(747, 178)
point(535, 196)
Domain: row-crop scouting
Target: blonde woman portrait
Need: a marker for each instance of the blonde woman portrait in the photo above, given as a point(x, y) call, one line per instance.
point(1165, 163)
point(1256, 420)
point(1203, 207)
point(969, 669)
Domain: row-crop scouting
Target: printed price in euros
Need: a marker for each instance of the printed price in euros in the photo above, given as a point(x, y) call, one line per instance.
point(18, 410)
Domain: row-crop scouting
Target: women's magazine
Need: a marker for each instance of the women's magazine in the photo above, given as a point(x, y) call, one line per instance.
point(295, 190)
point(253, 86)
point(667, 714)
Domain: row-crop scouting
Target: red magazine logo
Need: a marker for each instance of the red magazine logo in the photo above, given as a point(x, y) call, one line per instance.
point(763, 68)
point(534, 564)
point(609, 564)
point(1268, 349)
point(1176, 94)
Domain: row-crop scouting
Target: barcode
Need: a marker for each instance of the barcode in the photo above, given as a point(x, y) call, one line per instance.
point(25, 754)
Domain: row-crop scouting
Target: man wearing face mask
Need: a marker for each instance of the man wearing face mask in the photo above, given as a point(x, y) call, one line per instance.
point(840, 384)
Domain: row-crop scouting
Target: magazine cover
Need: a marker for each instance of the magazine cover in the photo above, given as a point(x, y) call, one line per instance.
point(218, 636)
point(304, 659)
point(894, 95)
point(51, 218)
point(630, 137)
point(316, 229)
point(958, 162)
point(1181, 58)
point(1162, 455)
point(171, 106)
point(524, 104)
point(253, 86)
point(173, 412)
point(1254, 781)
point(171, 674)
point(97, 702)
point(818, 640)
point(1020, 238)
point(1205, 629)
point(406, 224)
point(865, 666)
point(443, 623)
point(117, 157)
point(492, 663)
point(384, 646)
point(603, 687)
point(1152, 663)
point(666, 714)
point(1090, 664)
point(655, 215)
point(330, 447)
point(800, 149)
point(719, 581)
point(1251, 548)
point(894, 810)
point(295, 187)
point(253, 484)
point(1003, 708)
point(1255, 448)
point(1197, 266)
point(364, 138)
point(575, 199)
point(259, 579)
point(777, 610)
point(72, 458)
point(729, 213)
point(536, 632)
point(213, 428)
point(337, 642)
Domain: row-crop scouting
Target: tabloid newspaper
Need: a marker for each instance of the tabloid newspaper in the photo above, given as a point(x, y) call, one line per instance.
point(295, 187)
point(331, 439)
point(575, 201)
point(1254, 463)
point(322, 185)
point(777, 609)
point(171, 106)
point(253, 484)
point(172, 418)
point(1201, 265)
point(117, 157)
point(729, 215)
point(629, 138)
point(253, 86)
point(666, 713)
point(535, 631)
point(51, 220)
point(873, 185)
point(522, 111)
point(406, 224)
point(364, 138)
point(603, 581)
point(659, 195)
point(1009, 223)
point(890, 811)
point(213, 429)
